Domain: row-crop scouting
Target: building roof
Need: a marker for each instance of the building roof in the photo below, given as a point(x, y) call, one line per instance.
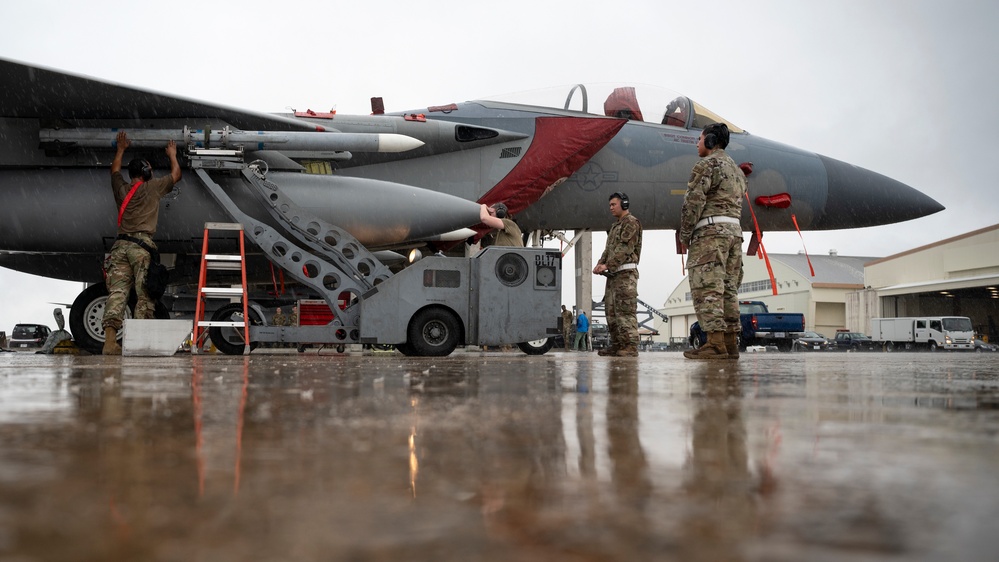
point(971, 234)
point(834, 270)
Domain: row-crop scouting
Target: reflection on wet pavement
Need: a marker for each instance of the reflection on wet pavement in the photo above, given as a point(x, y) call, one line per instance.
point(499, 456)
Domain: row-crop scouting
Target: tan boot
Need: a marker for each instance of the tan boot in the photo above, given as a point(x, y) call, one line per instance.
point(629, 351)
point(732, 345)
point(714, 349)
point(111, 346)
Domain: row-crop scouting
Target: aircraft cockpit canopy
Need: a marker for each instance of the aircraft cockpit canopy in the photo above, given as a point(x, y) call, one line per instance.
point(648, 104)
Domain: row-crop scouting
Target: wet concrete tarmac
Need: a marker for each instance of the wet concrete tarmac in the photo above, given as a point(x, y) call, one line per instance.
point(499, 456)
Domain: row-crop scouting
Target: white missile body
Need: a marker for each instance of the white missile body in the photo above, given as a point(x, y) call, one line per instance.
point(228, 138)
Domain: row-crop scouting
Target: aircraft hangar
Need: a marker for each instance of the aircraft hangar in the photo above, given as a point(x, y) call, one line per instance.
point(822, 298)
point(958, 276)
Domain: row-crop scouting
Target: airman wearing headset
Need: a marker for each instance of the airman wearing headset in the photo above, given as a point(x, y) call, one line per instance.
point(137, 208)
point(619, 263)
point(709, 227)
point(497, 216)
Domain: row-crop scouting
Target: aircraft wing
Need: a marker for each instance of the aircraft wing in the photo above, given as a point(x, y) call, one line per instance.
point(30, 91)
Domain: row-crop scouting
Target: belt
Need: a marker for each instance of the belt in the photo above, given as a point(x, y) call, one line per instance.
point(153, 252)
point(626, 267)
point(715, 220)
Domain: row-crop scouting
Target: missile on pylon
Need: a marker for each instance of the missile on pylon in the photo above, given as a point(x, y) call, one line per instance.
point(227, 138)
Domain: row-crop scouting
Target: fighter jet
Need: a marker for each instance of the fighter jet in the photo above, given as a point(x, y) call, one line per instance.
point(393, 181)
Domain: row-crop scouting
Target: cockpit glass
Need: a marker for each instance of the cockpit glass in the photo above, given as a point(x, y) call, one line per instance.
point(649, 104)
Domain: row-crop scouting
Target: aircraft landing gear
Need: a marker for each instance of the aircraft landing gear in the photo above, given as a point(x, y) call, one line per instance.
point(87, 314)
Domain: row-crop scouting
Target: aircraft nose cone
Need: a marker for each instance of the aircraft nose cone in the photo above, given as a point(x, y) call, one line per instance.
point(859, 197)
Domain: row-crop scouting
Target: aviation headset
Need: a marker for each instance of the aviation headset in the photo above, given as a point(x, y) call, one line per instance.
point(715, 135)
point(623, 197)
point(140, 168)
point(501, 211)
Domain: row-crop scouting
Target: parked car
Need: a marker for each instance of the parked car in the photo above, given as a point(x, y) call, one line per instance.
point(854, 341)
point(981, 346)
point(599, 336)
point(812, 341)
point(27, 336)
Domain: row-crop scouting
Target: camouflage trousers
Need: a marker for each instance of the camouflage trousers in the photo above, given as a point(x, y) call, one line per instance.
point(621, 305)
point(126, 268)
point(715, 267)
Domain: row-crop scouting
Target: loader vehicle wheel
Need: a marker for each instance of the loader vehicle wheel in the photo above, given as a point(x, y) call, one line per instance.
point(434, 332)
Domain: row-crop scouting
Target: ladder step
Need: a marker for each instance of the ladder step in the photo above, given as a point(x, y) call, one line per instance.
point(224, 262)
point(229, 291)
point(223, 226)
point(224, 266)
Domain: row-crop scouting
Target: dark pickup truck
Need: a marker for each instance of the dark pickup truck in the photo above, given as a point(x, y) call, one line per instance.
point(760, 327)
point(854, 341)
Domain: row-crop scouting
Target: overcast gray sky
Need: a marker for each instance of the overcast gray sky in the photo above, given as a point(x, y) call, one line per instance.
point(904, 88)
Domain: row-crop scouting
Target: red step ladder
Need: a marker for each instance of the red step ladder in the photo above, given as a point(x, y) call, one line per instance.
point(221, 262)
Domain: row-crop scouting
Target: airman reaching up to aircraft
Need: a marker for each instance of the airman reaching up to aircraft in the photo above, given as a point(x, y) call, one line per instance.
point(498, 217)
point(138, 205)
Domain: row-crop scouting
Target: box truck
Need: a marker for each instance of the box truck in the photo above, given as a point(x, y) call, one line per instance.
point(924, 332)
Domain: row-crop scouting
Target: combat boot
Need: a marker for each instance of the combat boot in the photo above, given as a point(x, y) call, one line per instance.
point(629, 351)
point(111, 346)
point(732, 344)
point(714, 349)
point(607, 351)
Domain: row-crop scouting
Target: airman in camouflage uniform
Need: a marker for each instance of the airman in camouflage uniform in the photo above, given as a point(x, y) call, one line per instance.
point(280, 319)
point(619, 263)
point(507, 232)
point(709, 227)
point(567, 326)
point(128, 262)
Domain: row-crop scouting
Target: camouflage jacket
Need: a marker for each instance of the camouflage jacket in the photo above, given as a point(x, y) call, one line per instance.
point(624, 243)
point(716, 188)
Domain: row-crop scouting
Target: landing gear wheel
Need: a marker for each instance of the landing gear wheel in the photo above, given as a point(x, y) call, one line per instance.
point(228, 340)
point(86, 317)
point(433, 332)
point(537, 347)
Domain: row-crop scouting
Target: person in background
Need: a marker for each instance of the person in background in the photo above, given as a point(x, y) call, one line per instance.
point(582, 333)
point(280, 318)
point(567, 327)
